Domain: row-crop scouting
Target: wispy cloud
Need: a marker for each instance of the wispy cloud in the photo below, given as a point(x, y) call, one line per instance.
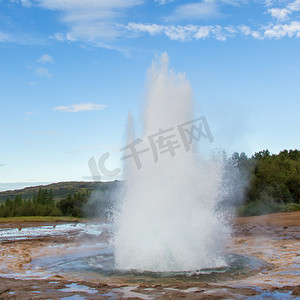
point(80, 107)
point(184, 33)
point(43, 72)
point(2, 165)
point(247, 31)
point(99, 22)
point(30, 113)
point(269, 3)
point(88, 20)
point(63, 37)
point(235, 2)
point(45, 58)
point(205, 9)
point(194, 32)
point(4, 37)
point(163, 2)
point(26, 3)
point(199, 10)
point(20, 38)
point(51, 133)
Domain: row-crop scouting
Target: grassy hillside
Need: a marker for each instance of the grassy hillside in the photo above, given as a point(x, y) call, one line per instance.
point(60, 190)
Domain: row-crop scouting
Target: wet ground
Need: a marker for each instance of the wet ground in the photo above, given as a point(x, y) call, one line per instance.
point(35, 264)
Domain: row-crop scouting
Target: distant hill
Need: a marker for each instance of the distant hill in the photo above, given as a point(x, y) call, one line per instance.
point(60, 190)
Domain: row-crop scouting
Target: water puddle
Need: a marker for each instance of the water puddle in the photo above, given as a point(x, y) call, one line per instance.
point(70, 230)
point(75, 297)
point(274, 295)
point(128, 292)
point(74, 287)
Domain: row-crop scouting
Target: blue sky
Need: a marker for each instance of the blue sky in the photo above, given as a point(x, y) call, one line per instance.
point(70, 70)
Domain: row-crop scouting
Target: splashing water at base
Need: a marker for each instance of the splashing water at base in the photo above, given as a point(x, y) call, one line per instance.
point(168, 220)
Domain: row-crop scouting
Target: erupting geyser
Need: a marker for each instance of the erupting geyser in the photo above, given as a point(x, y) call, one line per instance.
point(168, 220)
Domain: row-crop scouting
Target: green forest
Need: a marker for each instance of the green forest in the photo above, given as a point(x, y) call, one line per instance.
point(271, 182)
point(263, 183)
point(85, 203)
point(44, 204)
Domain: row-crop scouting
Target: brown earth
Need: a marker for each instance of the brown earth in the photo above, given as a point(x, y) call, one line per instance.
point(274, 238)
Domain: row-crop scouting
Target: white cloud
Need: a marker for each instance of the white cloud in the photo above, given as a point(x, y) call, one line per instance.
point(184, 33)
point(195, 32)
point(205, 9)
point(45, 58)
point(163, 2)
point(43, 72)
point(152, 29)
point(86, 4)
point(294, 5)
point(26, 3)
point(89, 20)
point(200, 10)
point(97, 21)
point(4, 37)
point(269, 3)
point(283, 30)
point(21, 39)
point(246, 30)
point(235, 2)
point(61, 37)
point(80, 107)
point(281, 14)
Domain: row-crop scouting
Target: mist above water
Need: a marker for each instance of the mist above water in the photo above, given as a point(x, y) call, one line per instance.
point(168, 219)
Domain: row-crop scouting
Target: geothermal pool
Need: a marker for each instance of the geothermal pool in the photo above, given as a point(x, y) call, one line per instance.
point(97, 260)
point(77, 259)
point(93, 255)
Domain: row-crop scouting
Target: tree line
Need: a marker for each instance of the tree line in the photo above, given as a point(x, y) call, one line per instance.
point(259, 184)
point(44, 204)
point(267, 182)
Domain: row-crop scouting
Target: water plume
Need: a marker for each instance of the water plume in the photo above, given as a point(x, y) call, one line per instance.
point(168, 220)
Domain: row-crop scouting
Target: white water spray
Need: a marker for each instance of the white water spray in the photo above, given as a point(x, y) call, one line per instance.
point(168, 220)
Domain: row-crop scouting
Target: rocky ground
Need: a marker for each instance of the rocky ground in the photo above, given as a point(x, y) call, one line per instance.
point(273, 238)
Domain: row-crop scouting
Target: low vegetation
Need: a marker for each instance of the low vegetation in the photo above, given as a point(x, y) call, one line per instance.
point(59, 190)
point(271, 182)
point(43, 203)
point(261, 184)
